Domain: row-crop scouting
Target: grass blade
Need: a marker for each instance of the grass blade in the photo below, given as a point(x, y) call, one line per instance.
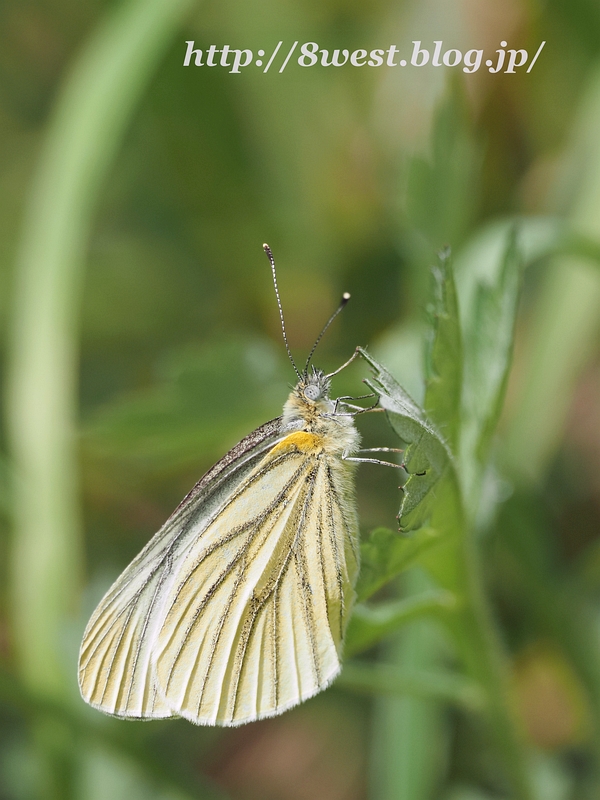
point(92, 111)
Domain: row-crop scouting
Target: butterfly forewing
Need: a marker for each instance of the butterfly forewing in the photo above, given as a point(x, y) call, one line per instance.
point(116, 672)
point(255, 620)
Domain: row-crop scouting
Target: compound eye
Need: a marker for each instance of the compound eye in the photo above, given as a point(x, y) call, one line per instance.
point(311, 392)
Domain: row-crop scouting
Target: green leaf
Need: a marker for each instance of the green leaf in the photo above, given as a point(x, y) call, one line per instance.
point(444, 355)
point(488, 340)
point(427, 457)
point(369, 625)
point(386, 554)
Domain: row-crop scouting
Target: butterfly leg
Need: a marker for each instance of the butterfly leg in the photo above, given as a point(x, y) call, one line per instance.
point(381, 450)
point(357, 409)
point(354, 355)
point(372, 461)
point(344, 401)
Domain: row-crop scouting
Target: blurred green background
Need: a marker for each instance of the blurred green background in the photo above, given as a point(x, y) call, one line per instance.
point(140, 339)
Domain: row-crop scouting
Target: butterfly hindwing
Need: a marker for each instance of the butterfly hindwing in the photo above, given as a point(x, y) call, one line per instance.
point(115, 671)
point(254, 619)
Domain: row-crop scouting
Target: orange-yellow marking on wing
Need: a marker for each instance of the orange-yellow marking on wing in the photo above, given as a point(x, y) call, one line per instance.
point(301, 440)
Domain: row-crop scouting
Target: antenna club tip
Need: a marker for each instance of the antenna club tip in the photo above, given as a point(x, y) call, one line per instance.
point(345, 297)
point(269, 253)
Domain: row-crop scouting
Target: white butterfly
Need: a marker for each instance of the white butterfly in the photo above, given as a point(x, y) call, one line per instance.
point(236, 609)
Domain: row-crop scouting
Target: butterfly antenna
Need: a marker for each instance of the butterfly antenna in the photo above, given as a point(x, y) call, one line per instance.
point(267, 250)
point(345, 298)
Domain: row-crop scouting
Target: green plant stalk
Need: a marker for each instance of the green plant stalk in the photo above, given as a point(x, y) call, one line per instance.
point(93, 108)
point(486, 661)
point(92, 111)
point(479, 643)
point(409, 731)
point(454, 563)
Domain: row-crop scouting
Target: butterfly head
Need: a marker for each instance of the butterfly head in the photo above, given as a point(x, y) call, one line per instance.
point(313, 386)
point(309, 400)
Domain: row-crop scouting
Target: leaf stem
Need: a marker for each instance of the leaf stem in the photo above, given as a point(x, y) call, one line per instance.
point(486, 661)
point(479, 643)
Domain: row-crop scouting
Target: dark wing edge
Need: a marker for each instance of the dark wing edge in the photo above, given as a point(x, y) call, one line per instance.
point(264, 437)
